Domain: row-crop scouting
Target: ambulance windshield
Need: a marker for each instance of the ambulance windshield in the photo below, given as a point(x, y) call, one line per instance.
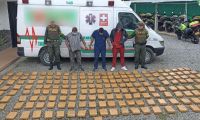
point(128, 20)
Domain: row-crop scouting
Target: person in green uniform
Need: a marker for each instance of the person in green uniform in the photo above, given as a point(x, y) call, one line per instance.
point(141, 35)
point(53, 42)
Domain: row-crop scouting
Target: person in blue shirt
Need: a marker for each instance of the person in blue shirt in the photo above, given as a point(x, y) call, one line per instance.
point(100, 37)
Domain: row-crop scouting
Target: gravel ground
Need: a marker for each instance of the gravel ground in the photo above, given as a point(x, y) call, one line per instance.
point(177, 54)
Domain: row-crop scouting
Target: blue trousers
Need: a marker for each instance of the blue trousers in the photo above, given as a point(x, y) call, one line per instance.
point(97, 52)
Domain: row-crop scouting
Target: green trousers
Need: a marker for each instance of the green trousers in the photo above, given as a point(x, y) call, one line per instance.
point(54, 51)
point(140, 54)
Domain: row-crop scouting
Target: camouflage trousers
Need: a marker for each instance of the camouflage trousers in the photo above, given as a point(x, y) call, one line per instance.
point(54, 51)
point(140, 54)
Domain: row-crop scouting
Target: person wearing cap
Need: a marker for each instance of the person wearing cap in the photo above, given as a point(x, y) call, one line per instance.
point(141, 35)
point(53, 42)
point(100, 36)
point(73, 42)
point(118, 37)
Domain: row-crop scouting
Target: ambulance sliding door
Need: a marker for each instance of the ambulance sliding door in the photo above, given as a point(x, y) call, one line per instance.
point(129, 22)
point(92, 18)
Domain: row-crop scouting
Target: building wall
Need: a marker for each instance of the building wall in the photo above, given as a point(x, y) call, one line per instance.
point(175, 7)
point(4, 19)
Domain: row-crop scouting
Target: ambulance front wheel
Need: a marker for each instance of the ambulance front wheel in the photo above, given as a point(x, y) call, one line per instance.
point(44, 57)
point(149, 56)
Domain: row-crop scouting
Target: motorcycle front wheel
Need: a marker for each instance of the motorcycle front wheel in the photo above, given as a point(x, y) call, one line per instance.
point(195, 39)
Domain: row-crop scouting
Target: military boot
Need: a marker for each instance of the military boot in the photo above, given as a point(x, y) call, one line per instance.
point(144, 67)
point(58, 66)
point(51, 66)
point(136, 66)
point(81, 68)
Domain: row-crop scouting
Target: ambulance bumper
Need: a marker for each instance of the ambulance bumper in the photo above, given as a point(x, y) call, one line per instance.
point(159, 51)
point(20, 51)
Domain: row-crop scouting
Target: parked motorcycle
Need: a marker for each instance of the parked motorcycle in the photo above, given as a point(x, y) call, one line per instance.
point(148, 19)
point(195, 26)
point(171, 23)
point(161, 22)
point(183, 31)
point(182, 18)
point(175, 20)
point(168, 25)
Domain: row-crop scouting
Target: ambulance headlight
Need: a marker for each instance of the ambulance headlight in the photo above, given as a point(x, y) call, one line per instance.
point(162, 43)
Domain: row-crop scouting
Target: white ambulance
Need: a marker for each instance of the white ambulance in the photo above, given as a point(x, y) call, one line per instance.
point(87, 15)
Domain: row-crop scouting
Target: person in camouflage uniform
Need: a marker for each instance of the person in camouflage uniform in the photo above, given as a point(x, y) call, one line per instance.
point(141, 35)
point(53, 42)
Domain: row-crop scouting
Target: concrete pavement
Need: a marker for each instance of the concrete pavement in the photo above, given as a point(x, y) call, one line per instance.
point(7, 57)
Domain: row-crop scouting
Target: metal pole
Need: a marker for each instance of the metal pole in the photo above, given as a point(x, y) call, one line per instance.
point(135, 7)
point(186, 10)
point(156, 17)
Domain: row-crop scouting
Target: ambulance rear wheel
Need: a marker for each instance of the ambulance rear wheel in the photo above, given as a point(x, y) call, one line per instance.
point(44, 57)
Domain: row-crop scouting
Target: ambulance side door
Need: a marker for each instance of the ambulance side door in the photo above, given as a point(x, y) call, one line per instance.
point(129, 22)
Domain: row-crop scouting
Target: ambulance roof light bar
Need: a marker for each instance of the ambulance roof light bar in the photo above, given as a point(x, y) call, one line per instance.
point(89, 3)
point(25, 1)
point(111, 3)
point(47, 2)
